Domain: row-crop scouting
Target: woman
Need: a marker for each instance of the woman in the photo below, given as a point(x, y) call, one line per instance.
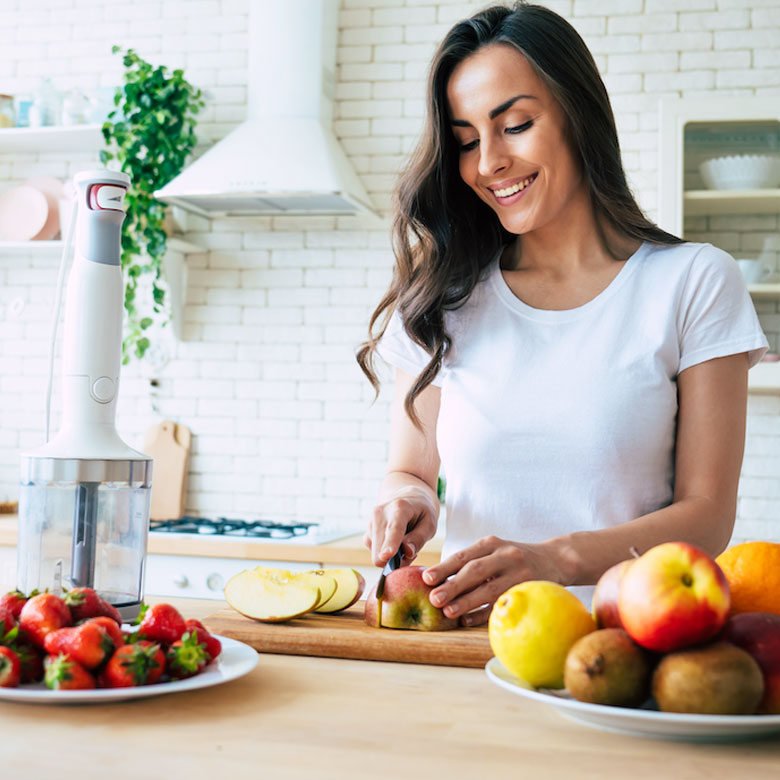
point(581, 373)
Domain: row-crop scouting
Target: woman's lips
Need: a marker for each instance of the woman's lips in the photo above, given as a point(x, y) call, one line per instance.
point(509, 200)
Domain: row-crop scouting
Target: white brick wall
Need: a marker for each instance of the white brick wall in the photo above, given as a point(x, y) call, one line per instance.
point(283, 421)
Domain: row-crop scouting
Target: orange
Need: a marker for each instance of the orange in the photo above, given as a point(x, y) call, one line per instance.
point(753, 573)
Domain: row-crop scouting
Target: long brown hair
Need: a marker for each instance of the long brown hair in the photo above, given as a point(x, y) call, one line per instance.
point(443, 235)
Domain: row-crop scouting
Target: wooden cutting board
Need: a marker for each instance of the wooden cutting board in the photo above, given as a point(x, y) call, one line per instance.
point(346, 635)
point(169, 444)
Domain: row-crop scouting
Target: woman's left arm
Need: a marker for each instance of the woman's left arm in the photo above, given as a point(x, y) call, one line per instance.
point(712, 407)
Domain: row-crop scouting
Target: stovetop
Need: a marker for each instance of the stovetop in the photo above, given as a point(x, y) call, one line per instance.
point(285, 531)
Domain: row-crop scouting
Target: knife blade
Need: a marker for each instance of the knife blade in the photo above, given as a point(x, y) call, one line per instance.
point(393, 564)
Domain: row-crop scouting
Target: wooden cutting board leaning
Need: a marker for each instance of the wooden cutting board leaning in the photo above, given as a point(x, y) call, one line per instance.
point(169, 444)
point(346, 635)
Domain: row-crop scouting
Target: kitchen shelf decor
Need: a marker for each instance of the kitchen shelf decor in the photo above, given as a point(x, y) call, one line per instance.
point(731, 137)
point(150, 133)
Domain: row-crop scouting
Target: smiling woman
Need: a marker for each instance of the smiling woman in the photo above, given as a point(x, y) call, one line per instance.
point(580, 374)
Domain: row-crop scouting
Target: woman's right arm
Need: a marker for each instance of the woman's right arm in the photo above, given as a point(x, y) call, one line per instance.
point(408, 508)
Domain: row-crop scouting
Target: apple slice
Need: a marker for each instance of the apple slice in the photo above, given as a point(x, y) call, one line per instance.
point(321, 579)
point(264, 598)
point(350, 585)
point(316, 577)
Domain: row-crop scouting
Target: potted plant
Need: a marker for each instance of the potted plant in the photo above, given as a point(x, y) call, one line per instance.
point(150, 133)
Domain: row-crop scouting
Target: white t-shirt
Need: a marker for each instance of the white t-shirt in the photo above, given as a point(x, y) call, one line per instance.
point(559, 421)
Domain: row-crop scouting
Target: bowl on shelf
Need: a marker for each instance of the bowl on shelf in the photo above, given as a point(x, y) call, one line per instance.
point(741, 172)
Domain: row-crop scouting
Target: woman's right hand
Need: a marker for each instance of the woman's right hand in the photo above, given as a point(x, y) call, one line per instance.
point(408, 517)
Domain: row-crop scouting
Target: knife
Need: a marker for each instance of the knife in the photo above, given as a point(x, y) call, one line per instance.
point(393, 564)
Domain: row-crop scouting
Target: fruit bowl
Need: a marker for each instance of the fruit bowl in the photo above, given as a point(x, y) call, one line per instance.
point(645, 721)
point(741, 172)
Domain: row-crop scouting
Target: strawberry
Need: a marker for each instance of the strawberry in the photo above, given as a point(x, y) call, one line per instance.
point(213, 645)
point(141, 663)
point(156, 671)
point(7, 621)
point(10, 668)
point(86, 603)
point(65, 674)
point(110, 627)
point(31, 659)
point(41, 614)
point(161, 623)
point(110, 611)
point(15, 600)
point(89, 644)
point(186, 657)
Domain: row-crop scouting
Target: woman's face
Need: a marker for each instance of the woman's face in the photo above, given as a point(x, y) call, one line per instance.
point(510, 130)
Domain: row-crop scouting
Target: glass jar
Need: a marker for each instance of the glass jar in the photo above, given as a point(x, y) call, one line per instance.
point(7, 113)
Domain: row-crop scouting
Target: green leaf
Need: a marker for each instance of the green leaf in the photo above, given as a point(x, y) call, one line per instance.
point(150, 133)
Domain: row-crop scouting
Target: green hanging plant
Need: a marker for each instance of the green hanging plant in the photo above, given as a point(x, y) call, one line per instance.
point(150, 133)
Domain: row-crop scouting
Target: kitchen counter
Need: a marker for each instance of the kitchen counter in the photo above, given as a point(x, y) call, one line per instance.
point(299, 717)
point(341, 552)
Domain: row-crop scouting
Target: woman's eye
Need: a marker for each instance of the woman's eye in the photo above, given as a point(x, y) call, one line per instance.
point(519, 128)
point(467, 147)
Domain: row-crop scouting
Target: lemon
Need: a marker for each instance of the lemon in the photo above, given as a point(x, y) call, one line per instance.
point(531, 628)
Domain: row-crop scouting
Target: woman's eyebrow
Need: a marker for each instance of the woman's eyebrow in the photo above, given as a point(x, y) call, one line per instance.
point(507, 104)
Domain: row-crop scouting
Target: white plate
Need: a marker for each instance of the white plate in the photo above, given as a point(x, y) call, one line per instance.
point(235, 660)
point(639, 722)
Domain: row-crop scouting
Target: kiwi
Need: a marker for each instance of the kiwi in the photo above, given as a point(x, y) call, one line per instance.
point(608, 667)
point(714, 679)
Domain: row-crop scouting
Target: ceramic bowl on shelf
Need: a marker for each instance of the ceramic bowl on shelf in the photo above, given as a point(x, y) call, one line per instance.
point(741, 172)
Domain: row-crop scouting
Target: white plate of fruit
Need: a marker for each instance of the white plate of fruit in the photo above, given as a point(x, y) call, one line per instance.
point(661, 655)
point(74, 649)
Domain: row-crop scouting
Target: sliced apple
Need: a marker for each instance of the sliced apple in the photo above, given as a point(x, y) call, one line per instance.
point(264, 598)
point(324, 580)
point(350, 586)
point(317, 577)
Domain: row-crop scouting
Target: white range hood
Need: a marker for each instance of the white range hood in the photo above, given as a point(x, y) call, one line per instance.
point(284, 159)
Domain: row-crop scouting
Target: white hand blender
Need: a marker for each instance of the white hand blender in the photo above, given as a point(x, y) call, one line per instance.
point(85, 495)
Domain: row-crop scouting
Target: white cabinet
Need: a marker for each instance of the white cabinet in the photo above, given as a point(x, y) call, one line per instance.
point(205, 577)
point(692, 130)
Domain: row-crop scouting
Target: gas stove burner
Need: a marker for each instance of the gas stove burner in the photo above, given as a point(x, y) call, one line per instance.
point(223, 526)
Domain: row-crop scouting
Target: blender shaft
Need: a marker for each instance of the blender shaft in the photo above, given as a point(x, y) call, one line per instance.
point(82, 564)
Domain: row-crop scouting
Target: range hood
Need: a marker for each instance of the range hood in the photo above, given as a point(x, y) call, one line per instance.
point(285, 158)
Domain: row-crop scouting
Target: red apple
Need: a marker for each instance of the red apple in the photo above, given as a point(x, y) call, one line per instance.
point(405, 603)
point(605, 597)
point(758, 633)
point(673, 596)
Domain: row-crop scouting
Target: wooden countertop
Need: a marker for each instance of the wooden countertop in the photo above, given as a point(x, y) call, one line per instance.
point(298, 717)
point(345, 552)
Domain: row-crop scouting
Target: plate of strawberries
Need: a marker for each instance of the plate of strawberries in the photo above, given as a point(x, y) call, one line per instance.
point(75, 649)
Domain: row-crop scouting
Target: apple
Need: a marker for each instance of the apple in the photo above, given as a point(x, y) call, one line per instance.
point(605, 598)
point(673, 596)
point(317, 577)
point(270, 598)
point(349, 588)
point(758, 633)
point(406, 603)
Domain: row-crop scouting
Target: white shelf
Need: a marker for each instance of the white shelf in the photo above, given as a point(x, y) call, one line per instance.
point(64, 138)
point(27, 246)
point(703, 202)
point(175, 244)
point(764, 378)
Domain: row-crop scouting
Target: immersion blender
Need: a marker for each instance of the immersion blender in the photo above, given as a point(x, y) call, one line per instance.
point(85, 495)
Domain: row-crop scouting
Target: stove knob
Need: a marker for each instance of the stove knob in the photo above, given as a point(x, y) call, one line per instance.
point(181, 581)
point(215, 582)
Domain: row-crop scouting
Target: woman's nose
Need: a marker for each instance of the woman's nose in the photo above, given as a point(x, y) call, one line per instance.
point(492, 157)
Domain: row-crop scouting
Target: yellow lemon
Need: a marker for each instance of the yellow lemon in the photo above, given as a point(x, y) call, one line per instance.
point(531, 628)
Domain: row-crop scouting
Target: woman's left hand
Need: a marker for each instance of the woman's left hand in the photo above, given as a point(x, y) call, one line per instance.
point(479, 574)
